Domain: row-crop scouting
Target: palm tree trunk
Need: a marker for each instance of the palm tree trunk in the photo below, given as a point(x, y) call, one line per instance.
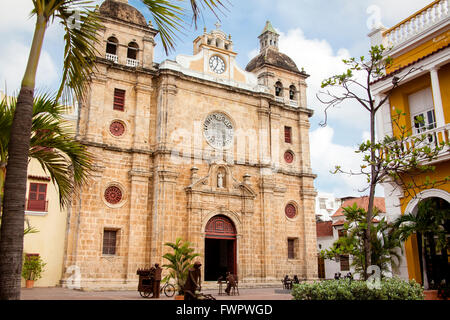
point(419, 249)
point(12, 227)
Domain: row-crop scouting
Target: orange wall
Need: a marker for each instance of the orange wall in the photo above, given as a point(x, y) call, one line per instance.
point(437, 42)
point(444, 83)
point(399, 100)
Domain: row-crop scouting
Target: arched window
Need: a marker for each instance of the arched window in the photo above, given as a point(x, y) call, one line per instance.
point(292, 92)
point(278, 89)
point(111, 45)
point(133, 49)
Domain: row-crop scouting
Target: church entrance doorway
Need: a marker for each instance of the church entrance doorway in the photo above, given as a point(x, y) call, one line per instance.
point(220, 248)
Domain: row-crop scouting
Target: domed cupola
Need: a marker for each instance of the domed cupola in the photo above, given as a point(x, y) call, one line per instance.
point(121, 10)
point(269, 53)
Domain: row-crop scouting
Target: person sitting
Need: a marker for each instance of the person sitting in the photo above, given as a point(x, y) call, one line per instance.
point(193, 282)
point(287, 282)
point(231, 283)
point(296, 280)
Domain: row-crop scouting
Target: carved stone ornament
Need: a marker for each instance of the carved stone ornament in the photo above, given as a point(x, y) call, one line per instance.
point(290, 211)
point(218, 130)
point(113, 195)
point(117, 128)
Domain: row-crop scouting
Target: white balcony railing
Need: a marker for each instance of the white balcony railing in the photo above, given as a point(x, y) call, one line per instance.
point(112, 57)
point(279, 99)
point(293, 103)
point(418, 22)
point(433, 138)
point(132, 62)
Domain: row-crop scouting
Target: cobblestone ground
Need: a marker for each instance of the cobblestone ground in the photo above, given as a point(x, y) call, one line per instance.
point(68, 294)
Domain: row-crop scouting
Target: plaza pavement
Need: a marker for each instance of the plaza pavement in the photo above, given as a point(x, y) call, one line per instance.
point(58, 293)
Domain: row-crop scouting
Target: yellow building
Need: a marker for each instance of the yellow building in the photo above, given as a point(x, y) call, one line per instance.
point(419, 46)
point(44, 214)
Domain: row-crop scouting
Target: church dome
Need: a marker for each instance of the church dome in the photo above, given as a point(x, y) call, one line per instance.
point(271, 56)
point(121, 10)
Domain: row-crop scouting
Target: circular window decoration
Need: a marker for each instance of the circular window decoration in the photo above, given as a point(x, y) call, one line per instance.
point(288, 156)
point(113, 195)
point(290, 211)
point(117, 128)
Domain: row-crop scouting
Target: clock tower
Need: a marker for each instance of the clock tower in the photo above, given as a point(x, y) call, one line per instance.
point(214, 56)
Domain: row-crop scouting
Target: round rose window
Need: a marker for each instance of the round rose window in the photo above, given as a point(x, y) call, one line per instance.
point(290, 211)
point(113, 195)
point(117, 128)
point(288, 157)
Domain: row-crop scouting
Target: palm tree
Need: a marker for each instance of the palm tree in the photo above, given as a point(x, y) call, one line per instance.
point(52, 144)
point(180, 261)
point(432, 220)
point(79, 62)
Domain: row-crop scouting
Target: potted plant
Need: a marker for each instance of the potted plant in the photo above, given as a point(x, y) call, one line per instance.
point(33, 266)
point(180, 261)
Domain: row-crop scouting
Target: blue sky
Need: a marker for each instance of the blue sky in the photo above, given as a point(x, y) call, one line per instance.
point(317, 34)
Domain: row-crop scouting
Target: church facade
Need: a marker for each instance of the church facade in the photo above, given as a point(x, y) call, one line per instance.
point(197, 148)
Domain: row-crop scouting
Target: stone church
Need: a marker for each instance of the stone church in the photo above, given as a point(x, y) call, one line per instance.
point(197, 148)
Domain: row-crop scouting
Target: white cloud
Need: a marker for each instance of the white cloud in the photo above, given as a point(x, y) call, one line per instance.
point(320, 61)
point(13, 60)
point(326, 154)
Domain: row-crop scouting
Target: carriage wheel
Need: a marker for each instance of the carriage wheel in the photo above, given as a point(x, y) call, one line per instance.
point(169, 290)
point(145, 294)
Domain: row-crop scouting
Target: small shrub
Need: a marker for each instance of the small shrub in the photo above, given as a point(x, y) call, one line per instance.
point(391, 289)
point(33, 266)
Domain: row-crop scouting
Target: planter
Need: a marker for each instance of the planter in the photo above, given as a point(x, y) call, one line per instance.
point(179, 297)
point(431, 295)
point(29, 284)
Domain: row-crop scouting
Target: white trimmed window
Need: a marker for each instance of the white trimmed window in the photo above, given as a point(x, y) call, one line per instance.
point(421, 108)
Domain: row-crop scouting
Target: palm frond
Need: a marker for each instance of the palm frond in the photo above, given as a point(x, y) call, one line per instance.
point(80, 46)
point(169, 21)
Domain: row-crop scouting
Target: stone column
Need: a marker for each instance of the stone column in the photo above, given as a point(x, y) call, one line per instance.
point(95, 110)
point(163, 215)
point(166, 98)
point(147, 52)
point(307, 196)
point(438, 108)
point(268, 243)
point(137, 222)
point(142, 114)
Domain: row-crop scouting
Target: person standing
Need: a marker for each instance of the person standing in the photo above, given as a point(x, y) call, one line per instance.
point(156, 280)
point(231, 283)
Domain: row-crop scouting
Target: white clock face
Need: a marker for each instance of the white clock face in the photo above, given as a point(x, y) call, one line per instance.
point(217, 64)
point(218, 130)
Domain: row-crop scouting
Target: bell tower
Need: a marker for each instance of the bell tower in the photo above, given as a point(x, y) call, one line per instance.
point(268, 38)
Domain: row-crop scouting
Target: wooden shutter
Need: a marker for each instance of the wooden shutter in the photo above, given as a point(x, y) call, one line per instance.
point(109, 241)
point(287, 134)
point(291, 249)
point(37, 197)
point(345, 264)
point(119, 99)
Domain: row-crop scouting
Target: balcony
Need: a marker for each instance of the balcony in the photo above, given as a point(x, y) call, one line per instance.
point(434, 138)
point(112, 57)
point(291, 103)
point(415, 24)
point(37, 205)
point(132, 63)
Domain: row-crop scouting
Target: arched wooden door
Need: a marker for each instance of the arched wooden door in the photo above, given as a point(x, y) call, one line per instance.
point(220, 248)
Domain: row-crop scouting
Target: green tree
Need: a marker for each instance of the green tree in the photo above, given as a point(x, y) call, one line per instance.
point(431, 224)
point(80, 38)
point(180, 261)
point(384, 244)
point(395, 159)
